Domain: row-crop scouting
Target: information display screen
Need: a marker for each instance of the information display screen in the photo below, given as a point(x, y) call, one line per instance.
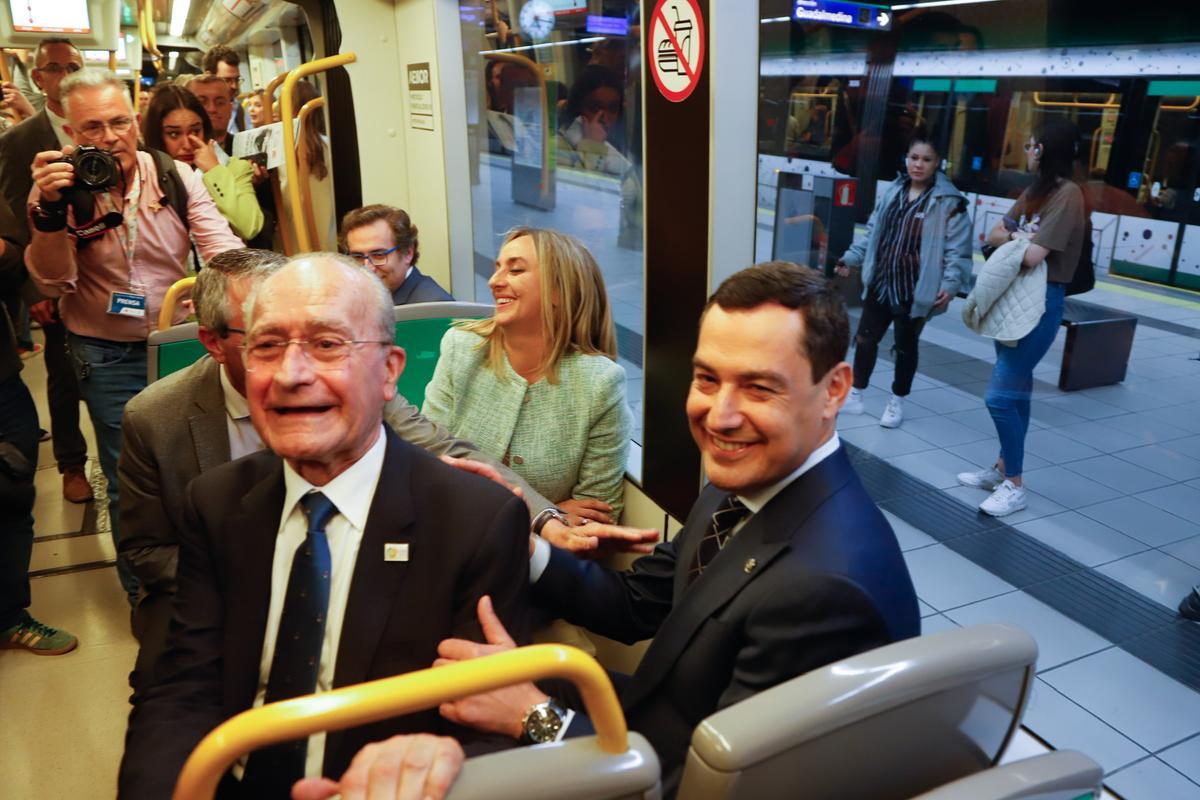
point(61, 16)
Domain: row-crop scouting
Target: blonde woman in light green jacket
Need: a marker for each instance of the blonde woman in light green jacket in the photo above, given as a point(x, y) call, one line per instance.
point(537, 385)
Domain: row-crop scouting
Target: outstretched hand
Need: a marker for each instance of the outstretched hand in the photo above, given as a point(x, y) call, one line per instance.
point(497, 711)
point(596, 539)
point(412, 767)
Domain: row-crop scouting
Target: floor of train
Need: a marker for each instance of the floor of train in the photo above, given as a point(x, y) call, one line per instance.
point(1093, 568)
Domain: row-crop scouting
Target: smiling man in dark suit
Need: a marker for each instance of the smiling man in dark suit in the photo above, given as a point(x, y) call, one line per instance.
point(342, 554)
point(784, 564)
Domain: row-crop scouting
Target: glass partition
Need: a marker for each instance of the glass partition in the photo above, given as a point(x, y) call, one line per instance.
point(553, 111)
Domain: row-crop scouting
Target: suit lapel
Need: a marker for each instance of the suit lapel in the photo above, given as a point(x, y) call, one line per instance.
point(251, 547)
point(376, 581)
point(747, 555)
point(210, 433)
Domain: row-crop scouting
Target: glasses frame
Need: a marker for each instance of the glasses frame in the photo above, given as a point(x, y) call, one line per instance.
point(370, 257)
point(97, 129)
point(54, 68)
point(304, 345)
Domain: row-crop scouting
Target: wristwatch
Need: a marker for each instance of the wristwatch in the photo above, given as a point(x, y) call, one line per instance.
point(542, 723)
point(544, 516)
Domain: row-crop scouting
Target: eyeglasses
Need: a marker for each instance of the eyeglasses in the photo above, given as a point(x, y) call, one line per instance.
point(55, 69)
point(377, 258)
point(233, 83)
point(327, 352)
point(94, 131)
point(231, 331)
point(1031, 147)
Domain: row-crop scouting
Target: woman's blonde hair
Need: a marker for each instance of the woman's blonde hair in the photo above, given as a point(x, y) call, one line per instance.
point(575, 311)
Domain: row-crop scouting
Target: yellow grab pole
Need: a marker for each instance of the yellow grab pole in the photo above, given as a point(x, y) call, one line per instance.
point(540, 77)
point(402, 694)
point(287, 113)
point(269, 95)
point(167, 313)
point(310, 214)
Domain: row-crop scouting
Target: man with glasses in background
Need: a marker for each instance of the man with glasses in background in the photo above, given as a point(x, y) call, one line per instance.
point(112, 270)
point(384, 239)
point(54, 59)
point(224, 63)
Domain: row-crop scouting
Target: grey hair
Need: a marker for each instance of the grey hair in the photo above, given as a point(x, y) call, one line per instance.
point(90, 78)
point(384, 308)
point(210, 295)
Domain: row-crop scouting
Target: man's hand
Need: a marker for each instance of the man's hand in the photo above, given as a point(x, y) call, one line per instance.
point(16, 101)
point(593, 127)
point(205, 155)
point(594, 538)
point(483, 470)
point(585, 508)
point(942, 300)
point(260, 174)
point(498, 711)
point(841, 269)
point(52, 174)
point(45, 312)
point(416, 766)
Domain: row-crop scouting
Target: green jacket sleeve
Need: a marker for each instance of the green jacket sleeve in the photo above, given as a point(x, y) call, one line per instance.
point(233, 192)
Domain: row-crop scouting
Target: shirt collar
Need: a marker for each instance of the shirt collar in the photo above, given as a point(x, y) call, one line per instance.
point(756, 501)
point(352, 491)
point(235, 403)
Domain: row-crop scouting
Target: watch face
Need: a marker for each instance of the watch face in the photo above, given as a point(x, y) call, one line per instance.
point(537, 19)
point(543, 724)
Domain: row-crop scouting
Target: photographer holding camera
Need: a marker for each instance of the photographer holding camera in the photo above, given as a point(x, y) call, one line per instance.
point(110, 235)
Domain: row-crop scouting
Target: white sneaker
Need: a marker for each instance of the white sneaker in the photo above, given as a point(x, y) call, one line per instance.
point(893, 413)
point(1007, 499)
point(853, 404)
point(988, 478)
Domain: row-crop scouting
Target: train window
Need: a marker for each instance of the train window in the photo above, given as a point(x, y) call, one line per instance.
point(553, 110)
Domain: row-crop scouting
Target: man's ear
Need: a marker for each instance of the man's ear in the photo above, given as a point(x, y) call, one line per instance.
point(395, 368)
point(212, 343)
point(837, 386)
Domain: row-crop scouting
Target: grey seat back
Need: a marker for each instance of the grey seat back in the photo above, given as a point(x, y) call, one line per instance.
point(575, 768)
point(888, 723)
point(1064, 775)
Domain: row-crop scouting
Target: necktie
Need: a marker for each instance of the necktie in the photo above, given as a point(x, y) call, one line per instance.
point(724, 520)
point(297, 659)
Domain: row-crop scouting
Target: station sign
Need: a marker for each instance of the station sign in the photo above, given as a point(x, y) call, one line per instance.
point(849, 15)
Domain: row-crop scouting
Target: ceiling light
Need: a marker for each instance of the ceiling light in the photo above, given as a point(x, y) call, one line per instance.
point(179, 15)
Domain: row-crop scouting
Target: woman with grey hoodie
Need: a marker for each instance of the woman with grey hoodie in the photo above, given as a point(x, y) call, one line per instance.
point(915, 254)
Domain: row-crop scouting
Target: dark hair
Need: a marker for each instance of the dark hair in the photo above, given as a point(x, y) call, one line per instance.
point(167, 98)
point(404, 233)
point(49, 40)
point(826, 324)
point(591, 78)
point(920, 135)
point(218, 54)
point(1059, 140)
point(209, 293)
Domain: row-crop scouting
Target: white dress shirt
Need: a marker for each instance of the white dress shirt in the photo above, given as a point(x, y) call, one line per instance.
point(243, 438)
point(57, 123)
point(352, 493)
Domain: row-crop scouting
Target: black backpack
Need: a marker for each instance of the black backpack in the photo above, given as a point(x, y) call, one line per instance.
point(1084, 279)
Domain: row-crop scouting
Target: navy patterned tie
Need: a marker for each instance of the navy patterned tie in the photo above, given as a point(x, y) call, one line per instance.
point(724, 520)
point(297, 659)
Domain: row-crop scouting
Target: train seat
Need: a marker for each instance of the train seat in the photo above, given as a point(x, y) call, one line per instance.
point(888, 723)
point(419, 330)
point(1063, 775)
point(171, 350)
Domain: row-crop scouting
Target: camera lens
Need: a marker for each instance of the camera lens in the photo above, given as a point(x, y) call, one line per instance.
point(92, 169)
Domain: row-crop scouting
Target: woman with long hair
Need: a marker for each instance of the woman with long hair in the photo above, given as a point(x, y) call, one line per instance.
point(176, 123)
point(537, 385)
point(320, 179)
point(915, 254)
point(1052, 215)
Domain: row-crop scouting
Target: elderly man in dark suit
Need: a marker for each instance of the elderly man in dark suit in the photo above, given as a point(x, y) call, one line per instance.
point(198, 419)
point(342, 554)
point(385, 239)
point(784, 564)
point(54, 59)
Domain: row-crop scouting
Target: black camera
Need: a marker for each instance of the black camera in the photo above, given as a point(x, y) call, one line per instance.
point(96, 170)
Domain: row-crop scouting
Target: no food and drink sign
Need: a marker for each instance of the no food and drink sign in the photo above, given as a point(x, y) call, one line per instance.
point(676, 44)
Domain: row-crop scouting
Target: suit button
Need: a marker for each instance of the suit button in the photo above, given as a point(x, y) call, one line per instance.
point(518, 460)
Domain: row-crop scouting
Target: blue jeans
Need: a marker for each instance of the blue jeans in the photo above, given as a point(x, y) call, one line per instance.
point(110, 374)
point(1011, 384)
point(19, 427)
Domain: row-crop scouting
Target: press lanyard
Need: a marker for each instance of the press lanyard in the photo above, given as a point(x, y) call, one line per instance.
point(127, 230)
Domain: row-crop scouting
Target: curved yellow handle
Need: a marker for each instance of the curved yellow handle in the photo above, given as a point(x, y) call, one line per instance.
point(310, 216)
point(167, 312)
point(536, 68)
point(269, 95)
point(402, 694)
point(287, 112)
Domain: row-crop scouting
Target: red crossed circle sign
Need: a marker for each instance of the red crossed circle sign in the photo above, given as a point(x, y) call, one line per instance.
point(676, 44)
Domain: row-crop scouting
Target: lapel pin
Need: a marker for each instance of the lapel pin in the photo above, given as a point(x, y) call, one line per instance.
point(749, 565)
point(395, 551)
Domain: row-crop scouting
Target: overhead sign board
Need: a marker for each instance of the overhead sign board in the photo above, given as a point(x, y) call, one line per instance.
point(849, 15)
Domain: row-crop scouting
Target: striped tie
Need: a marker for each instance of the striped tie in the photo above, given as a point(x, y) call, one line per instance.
point(724, 520)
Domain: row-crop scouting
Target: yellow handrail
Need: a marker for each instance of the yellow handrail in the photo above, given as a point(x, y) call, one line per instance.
point(403, 694)
point(539, 76)
point(5, 72)
point(310, 216)
point(269, 95)
point(1111, 102)
point(1189, 107)
point(287, 112)
point(167, 313)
